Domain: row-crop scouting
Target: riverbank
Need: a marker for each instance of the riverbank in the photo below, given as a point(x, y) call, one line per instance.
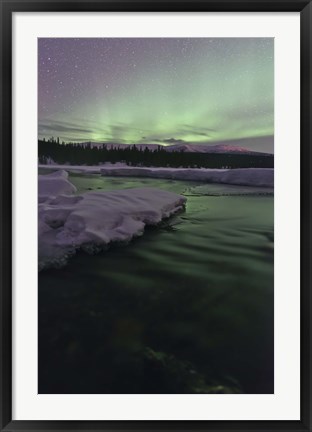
point(260, 177)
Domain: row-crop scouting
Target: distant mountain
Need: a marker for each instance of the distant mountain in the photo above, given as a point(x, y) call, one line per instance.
point(205, 148)
point(187, 148)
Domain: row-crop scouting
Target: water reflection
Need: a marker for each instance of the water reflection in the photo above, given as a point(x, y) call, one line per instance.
point(186, 308)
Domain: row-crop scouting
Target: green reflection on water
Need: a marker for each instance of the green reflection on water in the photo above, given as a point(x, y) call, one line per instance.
point(187, 307)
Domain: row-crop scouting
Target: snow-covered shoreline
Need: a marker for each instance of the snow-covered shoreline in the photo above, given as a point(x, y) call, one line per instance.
point(262, 177)
point(93, 220)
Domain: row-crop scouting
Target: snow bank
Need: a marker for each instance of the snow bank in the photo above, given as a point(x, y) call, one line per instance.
point(54, 184)
point(262, 177)
point(93, 220)
point(82, 169)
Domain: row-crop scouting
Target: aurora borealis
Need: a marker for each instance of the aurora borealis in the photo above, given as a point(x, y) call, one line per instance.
point(157, 90)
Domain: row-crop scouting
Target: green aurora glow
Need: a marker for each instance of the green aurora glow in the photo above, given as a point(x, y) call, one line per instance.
point(157, 90)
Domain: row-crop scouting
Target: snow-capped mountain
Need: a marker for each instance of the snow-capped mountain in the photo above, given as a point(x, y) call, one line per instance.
point(205, 148)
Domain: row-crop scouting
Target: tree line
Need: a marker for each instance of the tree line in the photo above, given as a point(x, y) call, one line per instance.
point(86, 154)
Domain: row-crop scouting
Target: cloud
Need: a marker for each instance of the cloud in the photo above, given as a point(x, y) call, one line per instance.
point(121, 126)
point(198, 130)
point(187, 129)
point(57, 126)
point(173, 141)
point(200, 133)
point(165, 140)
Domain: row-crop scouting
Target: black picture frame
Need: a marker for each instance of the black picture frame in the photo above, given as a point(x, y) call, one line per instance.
point(7, 9)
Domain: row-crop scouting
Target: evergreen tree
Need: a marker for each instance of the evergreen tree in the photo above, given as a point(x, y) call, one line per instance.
point(86, 154)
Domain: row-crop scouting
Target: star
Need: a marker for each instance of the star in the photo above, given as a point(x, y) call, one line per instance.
point(223, 84)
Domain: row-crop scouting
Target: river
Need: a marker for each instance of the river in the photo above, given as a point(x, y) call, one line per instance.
point(186, 308)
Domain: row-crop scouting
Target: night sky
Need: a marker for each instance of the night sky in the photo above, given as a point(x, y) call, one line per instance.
point(161, 90)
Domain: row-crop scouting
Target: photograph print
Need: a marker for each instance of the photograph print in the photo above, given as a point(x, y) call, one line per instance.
point(156, 215)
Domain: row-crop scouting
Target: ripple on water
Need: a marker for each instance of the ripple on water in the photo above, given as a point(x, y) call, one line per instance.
point(199, 288)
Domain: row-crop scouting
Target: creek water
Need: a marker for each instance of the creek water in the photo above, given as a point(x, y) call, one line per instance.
point(186, 308)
